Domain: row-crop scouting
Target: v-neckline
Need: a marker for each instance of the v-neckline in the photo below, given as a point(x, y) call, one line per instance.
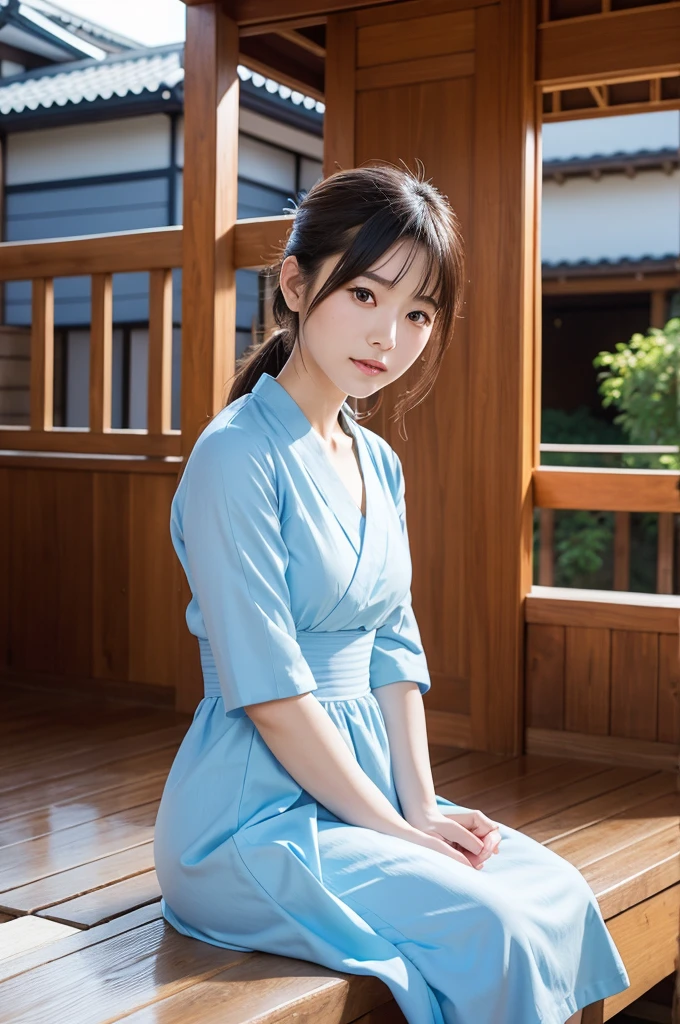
point(324, 474)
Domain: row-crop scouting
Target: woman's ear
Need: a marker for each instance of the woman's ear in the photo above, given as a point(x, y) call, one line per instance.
point(291, 283)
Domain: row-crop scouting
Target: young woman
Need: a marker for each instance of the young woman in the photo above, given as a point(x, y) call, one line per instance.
point(300, 816)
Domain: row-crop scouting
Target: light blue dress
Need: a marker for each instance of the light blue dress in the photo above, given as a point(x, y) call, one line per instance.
point(294, 591)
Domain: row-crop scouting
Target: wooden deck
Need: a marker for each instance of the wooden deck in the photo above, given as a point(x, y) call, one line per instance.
point(82, 938)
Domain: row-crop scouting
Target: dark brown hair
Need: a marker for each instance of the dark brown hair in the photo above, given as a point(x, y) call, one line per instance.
point(358, 215)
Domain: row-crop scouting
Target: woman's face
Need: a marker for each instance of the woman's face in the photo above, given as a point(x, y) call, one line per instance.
point(364, 319)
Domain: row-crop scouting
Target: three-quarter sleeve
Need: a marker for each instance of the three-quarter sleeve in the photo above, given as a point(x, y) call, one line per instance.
point(229, 533)
point(398, 654)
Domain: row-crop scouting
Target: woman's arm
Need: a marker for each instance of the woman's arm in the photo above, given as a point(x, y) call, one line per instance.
point(306, 741)
point(404, 713)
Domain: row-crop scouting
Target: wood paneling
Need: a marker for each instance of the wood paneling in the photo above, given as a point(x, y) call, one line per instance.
point(439, 34)
point(392, 124)
point(669, 689)
point(616, 671)
point(587, 680)
point(90, 579)
point(635, 684)
point(410, 72)
point(545, 650)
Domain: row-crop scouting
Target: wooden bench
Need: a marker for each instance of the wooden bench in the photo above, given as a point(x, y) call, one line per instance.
point(78, 796)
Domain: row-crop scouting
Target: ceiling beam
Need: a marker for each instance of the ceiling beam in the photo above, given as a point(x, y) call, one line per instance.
point(252, 12)
point(612, 47)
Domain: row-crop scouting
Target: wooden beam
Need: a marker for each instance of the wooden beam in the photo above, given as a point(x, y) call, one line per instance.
point(79, 441)
point(611, 284)
point(603, 609)
point(274, 26)
point(634, 43)
point(607, 490)
point(304, 42)
point(339, 121)
point(252, 12)
point(210, 179)
point(258, 240)
point(119, 252)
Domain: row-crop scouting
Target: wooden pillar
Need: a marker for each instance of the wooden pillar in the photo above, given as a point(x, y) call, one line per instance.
point(339, 119)
point(211, 106)
point(211, 98)
point(502, 363)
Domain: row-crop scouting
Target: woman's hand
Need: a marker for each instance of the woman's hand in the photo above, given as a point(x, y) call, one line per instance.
point(471, 833)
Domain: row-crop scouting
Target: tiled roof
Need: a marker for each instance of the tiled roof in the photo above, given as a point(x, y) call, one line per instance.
point(646, 263)
point(147, 70)
point(79, 26)
point(284, 91)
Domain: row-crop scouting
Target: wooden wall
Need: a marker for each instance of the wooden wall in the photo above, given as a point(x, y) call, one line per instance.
point(90, 584)
point(597, 669)
point(450, 83)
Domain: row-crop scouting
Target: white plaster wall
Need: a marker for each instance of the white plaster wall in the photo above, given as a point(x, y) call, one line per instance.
point(89, 150)
point(613, 218)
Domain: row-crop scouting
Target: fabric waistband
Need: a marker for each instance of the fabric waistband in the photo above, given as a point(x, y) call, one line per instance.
point(340, 662)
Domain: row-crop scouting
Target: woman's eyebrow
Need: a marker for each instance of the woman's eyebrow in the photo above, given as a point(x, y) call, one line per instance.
point(388, 284)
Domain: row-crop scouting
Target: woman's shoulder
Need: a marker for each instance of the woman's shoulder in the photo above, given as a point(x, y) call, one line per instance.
point(234, 441)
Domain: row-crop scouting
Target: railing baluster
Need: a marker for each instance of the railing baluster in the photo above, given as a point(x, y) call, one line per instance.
point(101, 345)
point(621, 550)
point(664, 553)
point(159, 403)
point(546, 557)
point(42, 354)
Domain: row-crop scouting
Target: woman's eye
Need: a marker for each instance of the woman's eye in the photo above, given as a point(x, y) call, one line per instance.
point(419, 312)
point(359, 292)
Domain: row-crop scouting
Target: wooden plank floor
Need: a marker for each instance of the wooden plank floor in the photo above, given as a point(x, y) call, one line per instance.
point(81, 935)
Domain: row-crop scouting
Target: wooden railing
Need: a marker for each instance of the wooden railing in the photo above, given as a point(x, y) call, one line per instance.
point(620, 491)
point(99, 257)
point(156, 250)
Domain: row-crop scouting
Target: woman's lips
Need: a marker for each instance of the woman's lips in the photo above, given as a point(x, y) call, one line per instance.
point(366, 368)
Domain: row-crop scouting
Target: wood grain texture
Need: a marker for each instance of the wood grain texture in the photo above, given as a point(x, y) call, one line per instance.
point(392, 124)
point(607, 749)
point(635, 684)
point(78, 441)
point(427, 37)
point(82, 857)
point(501, 415)
point(607, 490)
point(211, 88)
point(411, 72)
point(116, 252)
point(101, 353)
point(587, 680)
point(544, 660)
point(616, 46)
point(562, 606)
point(669, 690)
point(647, 938)
point(42, 354)
point(339, 117)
